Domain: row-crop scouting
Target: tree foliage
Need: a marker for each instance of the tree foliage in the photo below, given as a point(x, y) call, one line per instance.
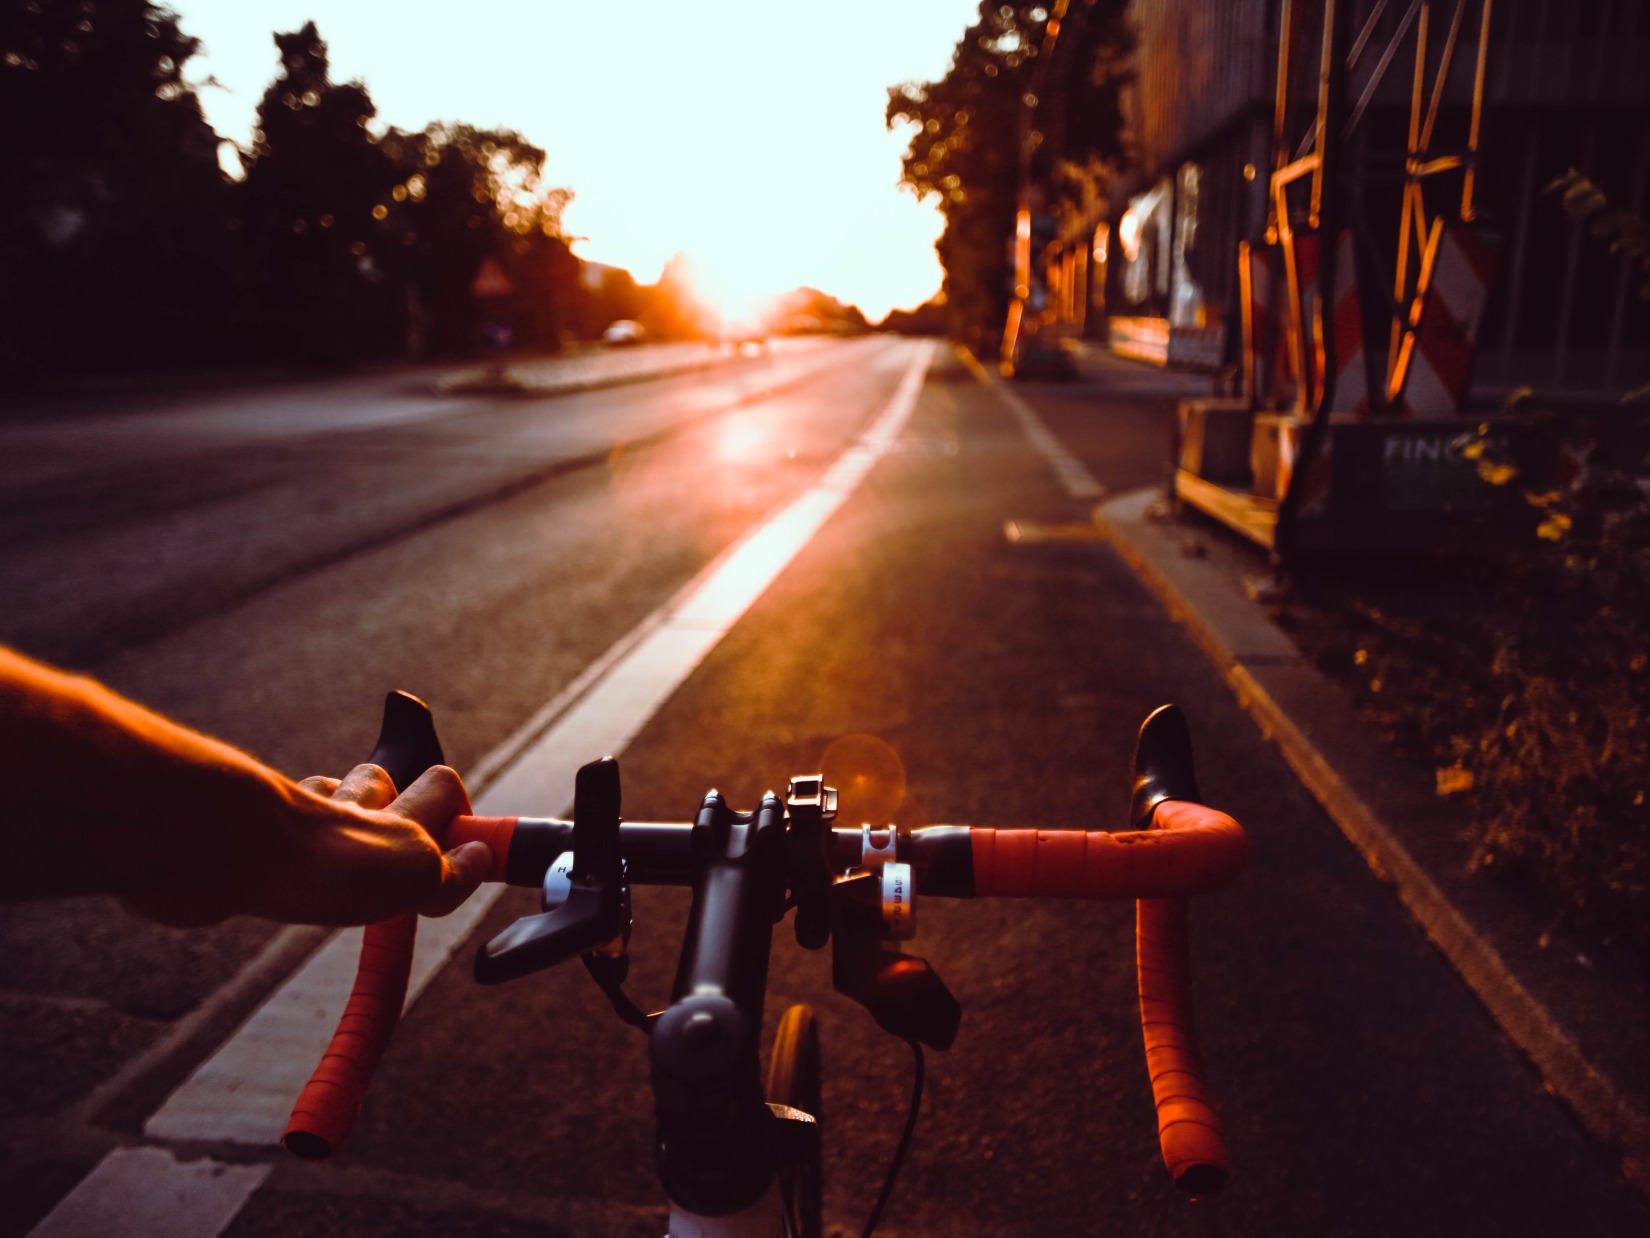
point(1566, 760)
point(112, 207)
point(1626, 234)
point(968, 129)
point(123, 244)
point(315, 180)
point(463, 195)
point(1562, 767)
point(927, 319)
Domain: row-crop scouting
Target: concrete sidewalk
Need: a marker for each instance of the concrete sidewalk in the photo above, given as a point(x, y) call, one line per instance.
point(1581, 1021)
point(585, 370)
point(596, 368)
point(580, 368)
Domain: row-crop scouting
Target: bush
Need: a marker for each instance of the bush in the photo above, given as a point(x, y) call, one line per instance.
point(1562, 771)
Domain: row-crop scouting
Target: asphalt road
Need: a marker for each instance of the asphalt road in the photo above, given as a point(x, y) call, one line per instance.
point(265, 566)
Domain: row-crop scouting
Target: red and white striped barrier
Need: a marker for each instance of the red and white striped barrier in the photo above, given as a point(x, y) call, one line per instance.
point(1255, 287)
point(1435, 383)
point(1345, 320)
point(1435, 366)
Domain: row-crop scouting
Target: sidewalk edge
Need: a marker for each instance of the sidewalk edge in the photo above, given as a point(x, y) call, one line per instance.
point(456, 385)
point(1565, 1071)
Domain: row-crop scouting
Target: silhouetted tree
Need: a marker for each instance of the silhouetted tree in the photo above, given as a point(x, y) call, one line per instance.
point(113, 215)
point(122, 242)
point(464, 195)
point(928, 318)
point(607, 294)
point(804, 310)
point(966, 149)
point(316, 187)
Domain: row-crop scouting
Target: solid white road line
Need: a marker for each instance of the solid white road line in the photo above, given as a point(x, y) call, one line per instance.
point(244, 1092)
point(147, 1191)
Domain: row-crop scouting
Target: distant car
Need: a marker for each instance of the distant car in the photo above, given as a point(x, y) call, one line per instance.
point(738, 333)
point(623, 333)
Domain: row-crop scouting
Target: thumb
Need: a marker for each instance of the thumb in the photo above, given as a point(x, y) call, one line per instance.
point(462, 870)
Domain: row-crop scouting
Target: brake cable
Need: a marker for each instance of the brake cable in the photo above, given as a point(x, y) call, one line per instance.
point(919, 1071)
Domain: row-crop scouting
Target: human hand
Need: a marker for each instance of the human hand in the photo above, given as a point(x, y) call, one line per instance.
point(347, 851)
point(394, 859)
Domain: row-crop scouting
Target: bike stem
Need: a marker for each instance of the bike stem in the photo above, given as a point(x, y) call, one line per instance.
point(716, 1149)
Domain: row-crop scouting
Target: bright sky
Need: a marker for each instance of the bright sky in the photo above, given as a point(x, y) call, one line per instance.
point(748, 136)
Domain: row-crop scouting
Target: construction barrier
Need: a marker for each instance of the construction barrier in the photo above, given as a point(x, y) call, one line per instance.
point(1154, 340)
point(1351, 393)
point(1434, 383)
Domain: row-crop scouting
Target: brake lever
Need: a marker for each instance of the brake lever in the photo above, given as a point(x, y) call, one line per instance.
point(1162, 764)
point(903, 993)
point(407, 743)
point(594, 916)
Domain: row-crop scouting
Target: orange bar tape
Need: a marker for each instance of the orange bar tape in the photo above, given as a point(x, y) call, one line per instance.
point(332, 1099)
point(1188, 1130)
point(1191, 849)
point(496, 832)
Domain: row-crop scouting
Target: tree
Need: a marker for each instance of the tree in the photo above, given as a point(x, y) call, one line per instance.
point(966, 150)
point(464, 195)
point(928, 318)
point(806, 310)
point(113, 212)
point(317, 185)
point(608, 294)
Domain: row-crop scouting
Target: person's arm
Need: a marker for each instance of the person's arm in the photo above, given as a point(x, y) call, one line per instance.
point(101, 796)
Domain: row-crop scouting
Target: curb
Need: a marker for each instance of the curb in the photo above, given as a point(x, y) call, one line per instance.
point(460, 385)
point(1566, 1072)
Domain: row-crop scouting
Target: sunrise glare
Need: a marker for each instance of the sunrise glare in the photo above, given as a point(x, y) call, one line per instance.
point(755, 145)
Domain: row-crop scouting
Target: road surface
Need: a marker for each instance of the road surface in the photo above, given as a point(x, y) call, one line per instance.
point(265, 564)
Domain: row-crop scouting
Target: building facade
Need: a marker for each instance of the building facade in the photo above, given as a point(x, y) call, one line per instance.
point(1564, 88)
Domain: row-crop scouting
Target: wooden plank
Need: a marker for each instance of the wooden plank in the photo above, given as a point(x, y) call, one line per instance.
point(1249, 514)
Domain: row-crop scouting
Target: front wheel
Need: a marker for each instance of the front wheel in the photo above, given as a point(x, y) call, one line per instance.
point(794, 1079)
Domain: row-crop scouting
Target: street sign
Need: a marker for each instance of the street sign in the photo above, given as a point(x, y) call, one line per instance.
point(491, 281)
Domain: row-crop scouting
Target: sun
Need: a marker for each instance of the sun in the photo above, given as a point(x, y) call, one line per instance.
point(733, 282)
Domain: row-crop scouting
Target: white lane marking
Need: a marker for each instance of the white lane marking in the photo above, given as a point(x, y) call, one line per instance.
point(1073, 474)
point(147, 1191)
point(244, 1092)
point(666, 648)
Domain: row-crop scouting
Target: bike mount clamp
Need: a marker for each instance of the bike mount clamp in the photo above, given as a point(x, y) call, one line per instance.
point(879, 852)
point(593, 917)
point(810, 808)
